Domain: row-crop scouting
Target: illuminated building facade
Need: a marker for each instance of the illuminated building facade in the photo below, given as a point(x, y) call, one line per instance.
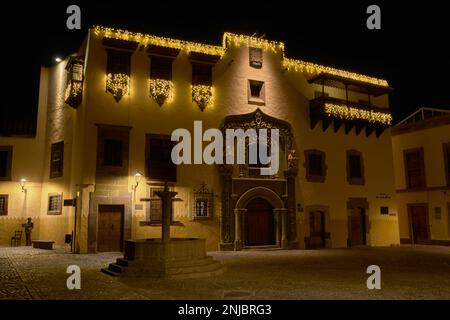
point(106, 115)
point(421, 149)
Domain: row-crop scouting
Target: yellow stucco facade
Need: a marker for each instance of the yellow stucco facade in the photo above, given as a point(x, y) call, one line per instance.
point(430, 134)
point(287, 96)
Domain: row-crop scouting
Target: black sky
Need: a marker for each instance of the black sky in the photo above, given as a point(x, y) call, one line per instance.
point(410, 50)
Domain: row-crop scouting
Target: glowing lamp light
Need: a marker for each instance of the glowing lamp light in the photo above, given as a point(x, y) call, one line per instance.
point(58, 59)
point(23, 183)
point(137, 179)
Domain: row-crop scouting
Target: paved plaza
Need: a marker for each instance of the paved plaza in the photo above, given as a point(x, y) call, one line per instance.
point(407, 272)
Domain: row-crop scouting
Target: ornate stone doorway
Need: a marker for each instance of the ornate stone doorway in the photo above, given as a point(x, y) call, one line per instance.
point(240, 185)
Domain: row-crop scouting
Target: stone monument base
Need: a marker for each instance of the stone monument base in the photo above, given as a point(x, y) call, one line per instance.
point(175, 259)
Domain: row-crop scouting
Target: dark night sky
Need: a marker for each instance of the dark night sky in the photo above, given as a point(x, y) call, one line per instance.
point(410, 51)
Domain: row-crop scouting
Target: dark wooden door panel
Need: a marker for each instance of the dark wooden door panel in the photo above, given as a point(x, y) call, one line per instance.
point(317, 229)
point(419, 224)
point(357, 227)
point(110, 228)
point(259, 223)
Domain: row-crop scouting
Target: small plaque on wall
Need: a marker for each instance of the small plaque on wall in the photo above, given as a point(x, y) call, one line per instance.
point(437, 213)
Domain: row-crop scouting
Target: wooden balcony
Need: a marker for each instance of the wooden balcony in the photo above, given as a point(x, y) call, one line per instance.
point(349, 114)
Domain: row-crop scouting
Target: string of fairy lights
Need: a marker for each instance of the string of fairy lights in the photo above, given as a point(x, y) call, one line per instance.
point(202, 95)
point(161, 90)
point(118, 84)
point(238, 40)
point(349, 113)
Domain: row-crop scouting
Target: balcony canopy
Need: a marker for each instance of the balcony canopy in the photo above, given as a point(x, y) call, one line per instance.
point(336, 81)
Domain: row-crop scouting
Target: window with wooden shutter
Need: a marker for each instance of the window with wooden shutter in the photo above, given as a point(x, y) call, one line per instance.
point(3, 204)
point(315, 165)
point(414, 168)
point(161, 68)
point(118, 69)
point(57, 160)
point(54, 204)
point(202, 74)
point(355, 168)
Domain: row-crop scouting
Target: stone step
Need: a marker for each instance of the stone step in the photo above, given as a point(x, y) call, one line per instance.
point(109, 272)
point(116, 268)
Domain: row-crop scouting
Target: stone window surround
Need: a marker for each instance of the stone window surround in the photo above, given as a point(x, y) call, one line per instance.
point(55, 147)
point(352, 180)
point(315, 178)
point(55, 212)
point(5, 211)
point(261, 100)
point(422, 159)
point(255, 57)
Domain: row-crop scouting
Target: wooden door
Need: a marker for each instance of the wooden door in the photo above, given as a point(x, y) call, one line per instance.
point(357, 225)
point(317, 229)
point(110, 228)
point(259, 223)
point(418, 217)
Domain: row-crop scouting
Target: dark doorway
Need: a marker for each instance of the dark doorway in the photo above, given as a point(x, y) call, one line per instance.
point(317, 229)
point(357, 227)
point(259, 223)
point(110, 228)
point(418, 220)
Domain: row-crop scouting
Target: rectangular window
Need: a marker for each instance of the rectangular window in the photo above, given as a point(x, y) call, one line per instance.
point(256, 92)
point(202, 74)
point(384, 210)
point(112, 152)
point(5, 162)
point(57, 160)
point(315, 165)
point(255, 57)
point(446, 148)
point(118, 62)
point(54, 204)
point(355, 168)
point(158, 158)
point(414, 168)
point(160, 68)
point(3, 204)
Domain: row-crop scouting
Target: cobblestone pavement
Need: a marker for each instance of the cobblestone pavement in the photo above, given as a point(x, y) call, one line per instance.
point(407, 272)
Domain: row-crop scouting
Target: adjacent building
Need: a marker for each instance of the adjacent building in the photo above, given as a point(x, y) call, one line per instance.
point(102, 148)
point(421, 149)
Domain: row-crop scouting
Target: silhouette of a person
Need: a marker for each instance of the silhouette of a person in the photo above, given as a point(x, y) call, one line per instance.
point(28, 228)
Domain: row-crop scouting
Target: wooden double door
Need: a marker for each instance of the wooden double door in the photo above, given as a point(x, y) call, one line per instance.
point(259, 223)
point(317, 236)
point(110, 228)
point(418, 223)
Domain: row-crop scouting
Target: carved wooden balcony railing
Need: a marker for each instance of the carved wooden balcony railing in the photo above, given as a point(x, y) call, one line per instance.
point(350, 114)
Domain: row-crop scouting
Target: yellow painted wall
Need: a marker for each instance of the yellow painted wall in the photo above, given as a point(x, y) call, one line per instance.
point(431, 140)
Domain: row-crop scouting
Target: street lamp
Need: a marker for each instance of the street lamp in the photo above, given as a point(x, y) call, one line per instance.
point(23, 183)
point(137, 179)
